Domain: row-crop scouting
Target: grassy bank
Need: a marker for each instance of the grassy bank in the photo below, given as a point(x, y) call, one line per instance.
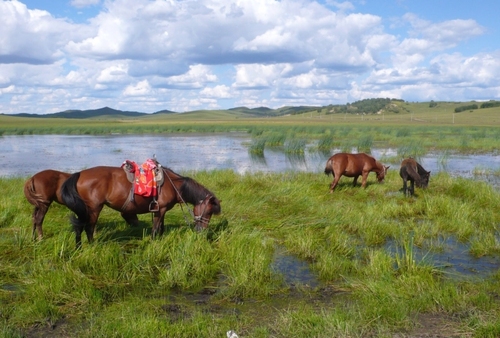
point(371, 252)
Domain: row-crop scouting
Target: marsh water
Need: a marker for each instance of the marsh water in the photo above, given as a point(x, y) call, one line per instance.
point(26, 155)
point(22, 156)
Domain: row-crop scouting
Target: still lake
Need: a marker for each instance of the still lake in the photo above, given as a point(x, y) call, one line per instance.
point(26, 155)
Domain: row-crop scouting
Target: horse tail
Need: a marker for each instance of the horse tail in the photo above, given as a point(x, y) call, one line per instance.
point(329, 168)
point(31, 195)
point(72, 199)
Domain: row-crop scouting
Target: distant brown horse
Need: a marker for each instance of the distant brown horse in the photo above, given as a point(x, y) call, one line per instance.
point(87, 191)
point(42, 189)
point(412, 171)
point(354, 165)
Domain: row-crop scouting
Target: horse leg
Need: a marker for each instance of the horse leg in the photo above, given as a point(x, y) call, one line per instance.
point(405, 185)
point(412, 187)
point(38, 216)
point(158, 222)
point(364, 177)
point(78, 228)
point(90, 226)
point(131, 219)
point(334, 183)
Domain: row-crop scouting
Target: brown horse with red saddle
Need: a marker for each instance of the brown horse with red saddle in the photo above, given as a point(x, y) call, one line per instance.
point(88, 191)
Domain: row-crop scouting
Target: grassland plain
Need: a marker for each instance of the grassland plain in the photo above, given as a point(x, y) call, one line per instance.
point(362, 245)
point(415, 129)
point(359, 243)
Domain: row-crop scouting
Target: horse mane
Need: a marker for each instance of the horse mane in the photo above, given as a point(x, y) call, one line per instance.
point(379, 165)
point(421, 170)
point(190, 190)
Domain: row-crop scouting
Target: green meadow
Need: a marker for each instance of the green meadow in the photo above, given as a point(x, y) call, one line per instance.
point(372, 253)
point(360, 244)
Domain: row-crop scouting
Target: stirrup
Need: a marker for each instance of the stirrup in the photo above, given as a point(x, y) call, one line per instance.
point(154, 206)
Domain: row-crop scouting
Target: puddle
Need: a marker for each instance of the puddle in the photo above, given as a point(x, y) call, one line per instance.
point(294, 270)
point(452, 257)
point(9, 287)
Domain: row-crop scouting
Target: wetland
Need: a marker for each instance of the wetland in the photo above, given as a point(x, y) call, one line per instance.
point(284, 259)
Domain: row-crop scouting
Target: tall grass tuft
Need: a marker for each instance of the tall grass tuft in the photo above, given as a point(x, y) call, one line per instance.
point(326, 143)
point(246, 258)
point(411, 149)
point(257, 146)
point(365, 144)
point(276, 139)
point(295, 146)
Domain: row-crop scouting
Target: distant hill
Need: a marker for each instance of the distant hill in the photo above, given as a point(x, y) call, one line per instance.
point(110, 112)
point(84, 114)
point(365, 106)
point(265, 111)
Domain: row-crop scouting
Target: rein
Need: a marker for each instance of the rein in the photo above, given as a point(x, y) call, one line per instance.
point(195, 218)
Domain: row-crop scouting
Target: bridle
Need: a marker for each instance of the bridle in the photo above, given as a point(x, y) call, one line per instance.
point(200, 218)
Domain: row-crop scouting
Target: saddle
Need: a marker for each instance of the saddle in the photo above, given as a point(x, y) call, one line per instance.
point(146, 180)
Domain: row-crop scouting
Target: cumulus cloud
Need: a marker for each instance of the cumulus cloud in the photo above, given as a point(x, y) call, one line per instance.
point(219, 91)
point(181, 54)
point(31, 36)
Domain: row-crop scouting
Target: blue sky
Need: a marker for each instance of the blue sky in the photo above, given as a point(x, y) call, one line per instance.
point(182, 55)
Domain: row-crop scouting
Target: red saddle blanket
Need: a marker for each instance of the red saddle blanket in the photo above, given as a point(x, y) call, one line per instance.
point(145, 178)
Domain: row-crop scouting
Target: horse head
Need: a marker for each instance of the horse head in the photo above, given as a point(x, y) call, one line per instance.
point(204, 210)
point(424, 179)
point(382, 171)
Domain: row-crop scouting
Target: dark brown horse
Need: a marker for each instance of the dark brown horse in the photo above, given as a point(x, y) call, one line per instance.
point(87, 191)
point(42, 189)
point(412, 171)
point(354, 165)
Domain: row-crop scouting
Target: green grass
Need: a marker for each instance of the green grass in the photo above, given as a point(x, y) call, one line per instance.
point(361, 244)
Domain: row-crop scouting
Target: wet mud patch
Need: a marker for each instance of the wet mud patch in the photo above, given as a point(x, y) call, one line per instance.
point(59, 328)
point(434, 325)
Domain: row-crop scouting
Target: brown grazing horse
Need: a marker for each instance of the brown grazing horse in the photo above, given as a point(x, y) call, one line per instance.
point(87, 191)
point(42, 189)
point(354, 165)
point(412, 171)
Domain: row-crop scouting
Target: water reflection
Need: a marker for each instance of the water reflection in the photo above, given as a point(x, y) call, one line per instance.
point(26, 155)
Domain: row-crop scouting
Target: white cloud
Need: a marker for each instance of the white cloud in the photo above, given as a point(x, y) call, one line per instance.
point(84, 3)
point(31, 36)
point(220, 91)
point(181, 54)
point(139, 89)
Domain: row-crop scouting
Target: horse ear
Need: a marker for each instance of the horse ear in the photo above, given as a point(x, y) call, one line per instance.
point(213, 198)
